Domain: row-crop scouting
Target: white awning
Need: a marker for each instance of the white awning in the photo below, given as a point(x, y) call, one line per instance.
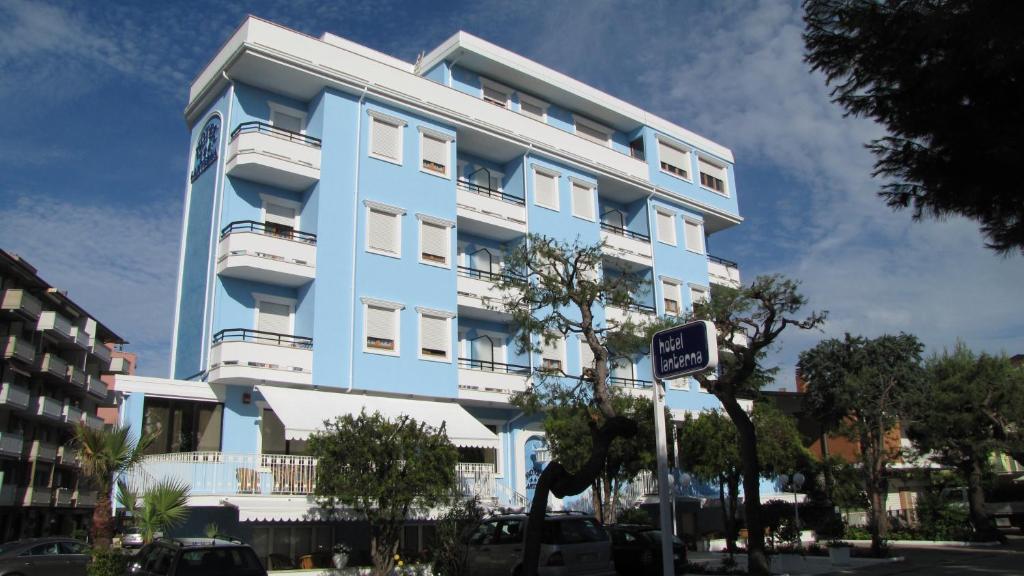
point(304, 411)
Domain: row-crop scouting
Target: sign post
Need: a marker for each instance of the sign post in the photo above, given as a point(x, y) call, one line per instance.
point(675, 352)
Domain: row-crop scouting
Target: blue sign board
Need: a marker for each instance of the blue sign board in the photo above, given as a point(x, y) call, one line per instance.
point(685, 349)
point(206, 147)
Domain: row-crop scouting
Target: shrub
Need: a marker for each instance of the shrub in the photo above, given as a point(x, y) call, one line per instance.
point(635, 515)
point(107, 562)
point(449, 558)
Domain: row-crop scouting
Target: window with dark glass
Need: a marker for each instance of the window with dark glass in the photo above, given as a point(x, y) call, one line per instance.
point(181, 426)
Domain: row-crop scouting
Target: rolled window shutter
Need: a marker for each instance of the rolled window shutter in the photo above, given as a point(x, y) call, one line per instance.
point(582, 201)
point(532, 110)
point(673, 156)
point(552, 351)
point(435, 241)
point(274, 317)
point(591, 134)
point(694, 236)
point(495, 96)
point(279, 214)
point(711, 170)
point(287, 122)
point(383, 231)
point(434, 333)
point(546, 190)
point(385, 139)
point(666, 227)
point(435, 150)
point(380, 323)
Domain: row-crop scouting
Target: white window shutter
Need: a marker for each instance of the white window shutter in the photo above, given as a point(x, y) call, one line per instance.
point(380, 323)
point(286, 121)
point(386, 140)
point(553, 350)
point(495, 96)
point(434, 241)
point(435, 152)
point(591, 134)
point(383, 234)
point(666, 227)
point(694, 236)
point(532, 110)
point(670, 295)
point(711, 169)
point(546, 189)
point(278, 214)
point(674, 157)
point(582, 201)
point(586, 356)
point(434, 333)
point(274, 317)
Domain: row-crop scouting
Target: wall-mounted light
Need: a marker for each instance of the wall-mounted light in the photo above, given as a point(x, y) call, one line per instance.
point(246, 397)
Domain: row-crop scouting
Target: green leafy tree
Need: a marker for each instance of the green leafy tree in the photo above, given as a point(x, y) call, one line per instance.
point(860, 388)
point(450, 553)
point(943, 77)
point(952, 418)
point(106, 454)
point(158, 508)
point(383, 469)
point(565, 289)
point(749, 320)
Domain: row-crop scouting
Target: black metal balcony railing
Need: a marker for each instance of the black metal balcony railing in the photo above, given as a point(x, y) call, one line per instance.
point(638, 307)
point(489, 366)
point(269, 229)
point(261, 337)
point(491, 193)
point(629, 382)
point(722, 261)
point(264, 128)
point(467, 272)
point(620, 231)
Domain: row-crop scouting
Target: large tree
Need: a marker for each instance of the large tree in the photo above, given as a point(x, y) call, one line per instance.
point(383, 469)
point(952, 423)
point(563, 296)
point(749, 320)
point(945, 78)
point(860, 388)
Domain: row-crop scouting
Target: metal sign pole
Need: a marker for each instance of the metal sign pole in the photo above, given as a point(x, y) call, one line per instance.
point(664, 511)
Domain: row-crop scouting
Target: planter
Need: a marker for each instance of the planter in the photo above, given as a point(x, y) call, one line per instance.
point(340, 560)
point(839, 555)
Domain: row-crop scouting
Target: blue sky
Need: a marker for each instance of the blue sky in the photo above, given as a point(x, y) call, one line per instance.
point(93, 150)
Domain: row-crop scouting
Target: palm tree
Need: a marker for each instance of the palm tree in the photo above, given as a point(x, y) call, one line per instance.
point(106, 454)
point(161, 506)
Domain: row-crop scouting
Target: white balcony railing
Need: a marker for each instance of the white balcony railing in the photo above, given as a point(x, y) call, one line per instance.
point(46, 407)
point(62, 497)
point(240, 356)
point(481, 379)
point(635, 314)
point(723, 272)
point(11, 444)
point(625, 245)
point(19, 348)
point(477, 289)
point(21, 302)
point(249, 251)
point(14, 396)
point(489, 211)
point(55, 324)
point(42, 452)
point(269, 155)
point(119, 365)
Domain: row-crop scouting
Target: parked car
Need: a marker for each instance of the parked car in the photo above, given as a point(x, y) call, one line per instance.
point(44, 557)
point(637, 550)
point(570, 544)
point(196, 557)
point(132, 538)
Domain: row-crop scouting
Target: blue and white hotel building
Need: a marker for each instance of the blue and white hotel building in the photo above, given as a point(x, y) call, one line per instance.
point(346, 215)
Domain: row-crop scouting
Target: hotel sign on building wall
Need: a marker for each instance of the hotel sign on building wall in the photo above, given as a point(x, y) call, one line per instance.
point(206, 147)
point(685, 349)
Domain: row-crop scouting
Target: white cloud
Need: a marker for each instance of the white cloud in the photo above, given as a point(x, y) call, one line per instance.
point(118, 263)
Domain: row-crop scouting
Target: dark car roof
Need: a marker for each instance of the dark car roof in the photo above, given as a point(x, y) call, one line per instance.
point(191, 543)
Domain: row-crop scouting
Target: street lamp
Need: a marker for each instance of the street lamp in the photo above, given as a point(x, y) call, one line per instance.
point(798, 482)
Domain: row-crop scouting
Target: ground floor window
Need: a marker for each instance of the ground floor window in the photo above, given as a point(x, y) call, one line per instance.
point(182, 426)
point(273, 439)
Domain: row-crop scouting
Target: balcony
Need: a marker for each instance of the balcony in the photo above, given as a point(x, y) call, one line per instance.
point(84, 498)
point(281, 158)
point(723, 272)
point(101, 352)
point(11, 444)
point(42, 452)
point(46, 407)
point(20, 302)
point(482, 379)
point(626, 246)
point(93, 421)
point(477, 290)
point(119, 365)
point(96, 387)
point(14, 397)
point(488, 212)
point(37, 496)
point(68, 456)
point(635, 313)
point(81, 337)
point(8, 495)
point(56, 326)
point(77, 377)
point(18, 348)
point(243, 356)
point(53, 365)
point(71, 414)
point(248, 250)
point(62, 497)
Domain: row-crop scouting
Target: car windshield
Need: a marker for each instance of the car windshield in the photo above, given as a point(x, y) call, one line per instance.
point(216, 561)
point(573, 531)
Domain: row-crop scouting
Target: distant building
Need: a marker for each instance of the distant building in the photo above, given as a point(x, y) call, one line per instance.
point(54, 356)
point(121, 362)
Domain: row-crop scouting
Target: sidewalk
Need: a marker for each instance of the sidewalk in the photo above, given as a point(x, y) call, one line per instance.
point(792, 564)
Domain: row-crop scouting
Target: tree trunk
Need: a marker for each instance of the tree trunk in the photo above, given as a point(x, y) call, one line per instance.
point(595, 499)
point(733, 494)
point(728, 518)
point(877, 489)
point(614, 503)
point(555, 479)
point(984, 528)
point(383, 547)
point(102, 520)
point(607, 506)
point(757, 560)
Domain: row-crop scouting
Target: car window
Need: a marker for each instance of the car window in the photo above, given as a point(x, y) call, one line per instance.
point(623, 537)
point(577, 530)
point(159, 561)
point(483, 533)
point(48, 549)
point(72, 548)
point(213, 562)
point(509, 532)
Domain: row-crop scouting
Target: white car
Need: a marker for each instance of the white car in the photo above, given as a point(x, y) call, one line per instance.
point(132, 538)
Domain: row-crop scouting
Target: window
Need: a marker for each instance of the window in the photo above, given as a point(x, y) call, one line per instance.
point(273, 315)
point(435, 334)
point(622, 370)
point(545, 189)
point(698, 294)
point(636, 148)
point(383, 229)
point(495, 93)
point(536, 109)
point(434, 240)
point(181, 426)
point(586, 357)
point(712, 176)
point(386, 137)
point(614, 218)
point(287, 118)
point(280, 216)
point(381, 325)
point(436, 157)
point(671, 297)
point(551, 354)
point(582, 200)
point(694, 236)
point(666, 227)
point(674, 160)
point(593, 131)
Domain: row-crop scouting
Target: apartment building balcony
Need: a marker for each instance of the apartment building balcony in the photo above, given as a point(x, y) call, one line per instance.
point(81, 337)
point(100, 351)
point(93, 421)
point(8, 495)
point(11, 444)
point(119, 365)
point(37, 496)
point(21, 303)
point(71, 414)
point(244, 356)
point(68, 456)
point(251, 250)
point(56, 326)
point(41, 451)
point(15, 397)
point(97, 388)
point(478, 292)
point(723, 272)
point(18, 348)
point(62, 497)
point(483, 379)
point(628, 247)
point(270, 155)
point(488, 212)
point(54, 366)
point(84, 498)
point(48, 408)
point(77, 377)
point(634, 312)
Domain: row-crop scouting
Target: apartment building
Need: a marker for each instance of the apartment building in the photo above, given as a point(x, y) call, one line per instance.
point(346, 217)
point(54, 355)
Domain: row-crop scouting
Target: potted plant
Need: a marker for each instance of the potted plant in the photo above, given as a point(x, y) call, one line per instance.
point(340, 555)
point(839, 552)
